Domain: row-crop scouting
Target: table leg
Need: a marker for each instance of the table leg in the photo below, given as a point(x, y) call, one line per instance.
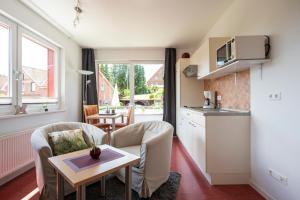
point(59, 186)
point(108, 138)
point(80, 192)
point(128, 182)
point(83, 193)
point(113, 124)
point(103, 186)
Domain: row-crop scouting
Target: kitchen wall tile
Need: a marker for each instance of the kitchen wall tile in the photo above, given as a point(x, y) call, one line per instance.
point(234, 96)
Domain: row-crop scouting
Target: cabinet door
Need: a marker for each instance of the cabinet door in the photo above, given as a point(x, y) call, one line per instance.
point(201, 58)
point(180, 128)
point(199, 146)
point(189, 137)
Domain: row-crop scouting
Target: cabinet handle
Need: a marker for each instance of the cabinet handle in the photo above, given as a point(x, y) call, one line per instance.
point(192, 124)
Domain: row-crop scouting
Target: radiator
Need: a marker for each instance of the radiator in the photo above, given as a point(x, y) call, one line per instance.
point(15, 152)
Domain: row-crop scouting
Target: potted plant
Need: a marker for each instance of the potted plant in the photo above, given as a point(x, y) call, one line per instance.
point(95, 151)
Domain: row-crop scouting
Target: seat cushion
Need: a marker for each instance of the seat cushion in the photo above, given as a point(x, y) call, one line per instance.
point(135, 150)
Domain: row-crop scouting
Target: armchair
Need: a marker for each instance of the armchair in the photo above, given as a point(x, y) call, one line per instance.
point(152, 141)
point(45, 173)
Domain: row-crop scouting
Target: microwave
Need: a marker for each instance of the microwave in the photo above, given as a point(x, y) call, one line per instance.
point(243, 48)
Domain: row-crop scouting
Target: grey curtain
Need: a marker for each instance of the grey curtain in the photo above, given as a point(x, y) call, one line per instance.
point(88, 63)
point(169, 114)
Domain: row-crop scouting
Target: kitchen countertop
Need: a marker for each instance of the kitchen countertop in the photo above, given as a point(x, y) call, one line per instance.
point(218, 112)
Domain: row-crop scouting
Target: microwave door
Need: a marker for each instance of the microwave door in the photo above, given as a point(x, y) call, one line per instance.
point(221, 56)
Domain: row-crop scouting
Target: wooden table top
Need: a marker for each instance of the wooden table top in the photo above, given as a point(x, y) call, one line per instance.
point(96, 172)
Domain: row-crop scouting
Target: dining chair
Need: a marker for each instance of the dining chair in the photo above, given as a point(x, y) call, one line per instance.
point(128, 120)
point(92, 110)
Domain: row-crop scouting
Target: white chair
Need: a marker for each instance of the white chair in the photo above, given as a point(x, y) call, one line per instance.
point(45, 173)
point(152, 141)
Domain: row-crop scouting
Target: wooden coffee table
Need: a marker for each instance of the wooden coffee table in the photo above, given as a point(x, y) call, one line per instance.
point(79, 179)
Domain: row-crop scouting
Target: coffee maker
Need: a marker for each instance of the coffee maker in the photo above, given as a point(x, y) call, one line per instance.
point(209, 100)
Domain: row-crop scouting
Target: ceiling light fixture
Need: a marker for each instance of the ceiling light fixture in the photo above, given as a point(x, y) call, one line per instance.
point(78, 11)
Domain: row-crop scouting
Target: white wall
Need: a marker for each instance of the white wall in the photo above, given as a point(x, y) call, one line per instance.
point(135, 54)
point(122, 54)
point(275, 124)
point(71, 80)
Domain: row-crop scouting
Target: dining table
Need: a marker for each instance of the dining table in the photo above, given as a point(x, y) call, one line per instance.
point(106, 116)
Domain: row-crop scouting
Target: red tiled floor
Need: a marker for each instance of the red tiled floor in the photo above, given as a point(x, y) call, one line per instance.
point(193, 185)
point(20, 187)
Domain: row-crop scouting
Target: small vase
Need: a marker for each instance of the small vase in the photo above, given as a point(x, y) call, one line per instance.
point(95, 153)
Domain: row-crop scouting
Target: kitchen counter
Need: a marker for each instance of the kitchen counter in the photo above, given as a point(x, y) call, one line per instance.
point(218, 112)
point(218, 142)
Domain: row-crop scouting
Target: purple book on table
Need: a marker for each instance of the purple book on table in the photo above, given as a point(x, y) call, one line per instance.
point(83, 162)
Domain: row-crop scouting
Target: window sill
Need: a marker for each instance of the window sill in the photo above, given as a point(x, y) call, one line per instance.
point(10, 116)
point(143, 114)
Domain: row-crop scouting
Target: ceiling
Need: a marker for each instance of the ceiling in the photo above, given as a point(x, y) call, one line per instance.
point(133, 23)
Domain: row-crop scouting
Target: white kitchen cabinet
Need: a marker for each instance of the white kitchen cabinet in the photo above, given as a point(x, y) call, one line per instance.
point(219, 145)
point(205, 55)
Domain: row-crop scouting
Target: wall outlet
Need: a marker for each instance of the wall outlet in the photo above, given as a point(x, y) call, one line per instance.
point(219, 98)
point(275, 96)
point(282, 179)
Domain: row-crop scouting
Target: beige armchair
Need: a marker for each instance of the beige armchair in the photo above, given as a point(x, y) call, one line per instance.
point(152, 141)
point(45, 173)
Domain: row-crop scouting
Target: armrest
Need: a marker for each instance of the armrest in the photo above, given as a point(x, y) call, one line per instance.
point(156, 155)
point(42, 151)
point(130, 135)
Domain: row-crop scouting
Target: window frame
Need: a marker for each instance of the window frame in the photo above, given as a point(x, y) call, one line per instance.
point(11, 99)
point(43, 42)
point(16, 31)
point(131, 64)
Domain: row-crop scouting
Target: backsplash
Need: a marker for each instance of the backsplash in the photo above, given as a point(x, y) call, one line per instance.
point(234, 96)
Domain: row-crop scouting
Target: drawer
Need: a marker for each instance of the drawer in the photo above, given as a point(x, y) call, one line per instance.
point(185, 113)
point(194, 116)
point(198, 118)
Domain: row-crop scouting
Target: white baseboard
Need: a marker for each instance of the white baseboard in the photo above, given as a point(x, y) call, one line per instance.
point(261, 191)
point(16, 173)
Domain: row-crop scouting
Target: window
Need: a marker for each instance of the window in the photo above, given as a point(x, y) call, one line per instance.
point(138, 84)
point(28, 66)
point(33, 87)
point(148, 88)
point(38, 68)
point(114, 90)
point(5, 78)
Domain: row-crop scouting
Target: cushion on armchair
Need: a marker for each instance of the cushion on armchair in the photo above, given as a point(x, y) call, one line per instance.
point(67, 141)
